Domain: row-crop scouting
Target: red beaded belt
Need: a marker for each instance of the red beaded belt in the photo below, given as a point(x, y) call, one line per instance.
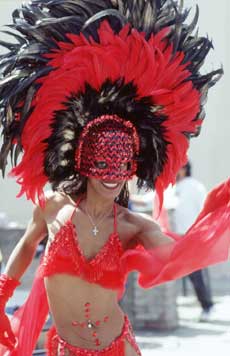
point(59, 347)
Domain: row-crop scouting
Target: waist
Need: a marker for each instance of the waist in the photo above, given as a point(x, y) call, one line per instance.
point(104, 341)
point(84, 314)
point(72, 299)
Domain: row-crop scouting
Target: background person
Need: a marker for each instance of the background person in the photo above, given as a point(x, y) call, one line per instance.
point(189, 197)
point(92, 94)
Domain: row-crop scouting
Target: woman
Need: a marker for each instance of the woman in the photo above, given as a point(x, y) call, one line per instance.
point(93, 232)
point(78, 305)
point(92, 102)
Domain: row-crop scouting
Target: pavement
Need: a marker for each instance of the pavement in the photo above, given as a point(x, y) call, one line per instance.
point(191, 337)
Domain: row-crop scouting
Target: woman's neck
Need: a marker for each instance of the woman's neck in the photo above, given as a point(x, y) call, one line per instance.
point(97, 205)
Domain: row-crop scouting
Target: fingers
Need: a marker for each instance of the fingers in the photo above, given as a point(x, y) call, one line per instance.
point(6, 342)
point(11, 337)
point(8, 339)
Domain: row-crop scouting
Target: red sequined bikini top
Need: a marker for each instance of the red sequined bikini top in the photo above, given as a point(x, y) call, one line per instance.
point(161, 264)
point(64, 255)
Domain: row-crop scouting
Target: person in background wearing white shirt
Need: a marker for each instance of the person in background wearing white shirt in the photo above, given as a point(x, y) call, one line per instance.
point(190, 195)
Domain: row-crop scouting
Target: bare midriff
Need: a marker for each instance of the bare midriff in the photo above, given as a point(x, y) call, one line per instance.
point(85, 314)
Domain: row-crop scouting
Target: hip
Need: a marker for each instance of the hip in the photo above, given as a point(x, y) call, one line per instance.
point(123, 345)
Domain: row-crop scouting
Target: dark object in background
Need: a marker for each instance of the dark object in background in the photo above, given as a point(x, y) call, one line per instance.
point(41, 247)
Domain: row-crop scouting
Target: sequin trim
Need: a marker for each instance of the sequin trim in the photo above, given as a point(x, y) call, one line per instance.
point(116, 348)
point(90, 323)
point(65, 255)
point(110, 140)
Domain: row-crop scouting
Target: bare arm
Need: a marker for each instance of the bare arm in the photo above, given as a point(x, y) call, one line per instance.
point(150, 234)
point(25, 249)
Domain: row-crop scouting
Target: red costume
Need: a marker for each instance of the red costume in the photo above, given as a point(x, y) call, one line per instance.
point(206, 243)
point(116, 348)
point(106, 90)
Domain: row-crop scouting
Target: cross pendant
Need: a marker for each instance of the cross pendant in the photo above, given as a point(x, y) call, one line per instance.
point(95, 231)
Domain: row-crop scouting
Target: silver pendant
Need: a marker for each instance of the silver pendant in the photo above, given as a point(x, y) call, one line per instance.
point(95, 231)
point(90, 324)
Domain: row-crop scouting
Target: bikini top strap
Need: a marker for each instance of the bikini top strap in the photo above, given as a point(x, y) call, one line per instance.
point(114, 212)
point(115, 218)
point(76, 205)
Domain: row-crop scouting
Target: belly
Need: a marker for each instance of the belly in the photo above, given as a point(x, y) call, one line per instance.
point(85, 314)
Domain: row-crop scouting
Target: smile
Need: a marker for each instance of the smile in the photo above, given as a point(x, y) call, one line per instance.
point(111, 185)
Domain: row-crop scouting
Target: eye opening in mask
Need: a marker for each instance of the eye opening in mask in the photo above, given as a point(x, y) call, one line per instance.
point(126, 166)
point(100, 164)
point(129, 165)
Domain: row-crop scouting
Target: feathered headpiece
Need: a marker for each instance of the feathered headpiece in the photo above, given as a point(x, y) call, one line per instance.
point(77, 60)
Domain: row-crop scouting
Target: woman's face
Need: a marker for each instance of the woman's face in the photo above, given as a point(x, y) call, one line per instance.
point(107, 188)
point(107, 153)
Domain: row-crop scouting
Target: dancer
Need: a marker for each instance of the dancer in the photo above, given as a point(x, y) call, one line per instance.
point(92, 94)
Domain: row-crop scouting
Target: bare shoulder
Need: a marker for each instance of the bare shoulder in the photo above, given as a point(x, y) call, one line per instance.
point(54, 202)
point(42, 219)
point(40, 214)
point(139, 220)
point(131, 226)
point(145, 230)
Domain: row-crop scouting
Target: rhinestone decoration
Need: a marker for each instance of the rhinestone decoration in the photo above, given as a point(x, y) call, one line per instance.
point(111, 142)
point(90, 324)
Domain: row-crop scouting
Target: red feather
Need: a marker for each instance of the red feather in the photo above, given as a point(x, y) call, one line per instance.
point(151, 65)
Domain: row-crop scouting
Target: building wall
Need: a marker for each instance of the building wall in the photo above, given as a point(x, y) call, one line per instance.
point(18, 210)
point(209, 152)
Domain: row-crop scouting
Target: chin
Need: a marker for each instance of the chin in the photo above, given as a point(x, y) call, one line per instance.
point(106, 188)
point(110, 189)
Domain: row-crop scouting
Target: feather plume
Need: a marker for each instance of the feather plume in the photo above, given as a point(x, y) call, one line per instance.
point(151, 62)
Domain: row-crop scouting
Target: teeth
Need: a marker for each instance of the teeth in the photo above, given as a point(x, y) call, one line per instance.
point(110, 185)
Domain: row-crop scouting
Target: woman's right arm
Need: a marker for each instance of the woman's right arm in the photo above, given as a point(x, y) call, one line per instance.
point(18, 262)
point(25, 249)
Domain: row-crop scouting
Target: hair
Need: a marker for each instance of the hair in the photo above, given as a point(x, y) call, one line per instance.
point(158, 86)
point(188, 169)
point(78, 186)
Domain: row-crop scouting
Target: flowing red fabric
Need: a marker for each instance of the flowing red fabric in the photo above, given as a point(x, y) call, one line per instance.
point(207, 242)
point(28, 321)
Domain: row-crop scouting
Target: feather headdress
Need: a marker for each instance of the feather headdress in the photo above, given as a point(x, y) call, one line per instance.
point(74, 60)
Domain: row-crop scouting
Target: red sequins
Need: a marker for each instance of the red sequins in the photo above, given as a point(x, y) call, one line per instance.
point(107, 148)
point(90, 324)
point(65, 256)
point(115, 348)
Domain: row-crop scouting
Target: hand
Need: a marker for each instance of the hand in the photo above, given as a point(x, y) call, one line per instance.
point(7, 287)
point(7, 337)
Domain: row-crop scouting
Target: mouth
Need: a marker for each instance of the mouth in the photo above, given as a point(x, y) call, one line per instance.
point(110, 186)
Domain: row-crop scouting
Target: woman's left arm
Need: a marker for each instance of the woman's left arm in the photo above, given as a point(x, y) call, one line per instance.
point(151, 235)
point(159, 258)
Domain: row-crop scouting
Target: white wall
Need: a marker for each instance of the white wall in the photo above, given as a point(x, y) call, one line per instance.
point(18, 210)
point(209, 152)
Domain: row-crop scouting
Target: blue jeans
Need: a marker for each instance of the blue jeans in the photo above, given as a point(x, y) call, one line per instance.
point(201, 283)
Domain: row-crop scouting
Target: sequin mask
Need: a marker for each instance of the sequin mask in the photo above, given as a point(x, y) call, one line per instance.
point(107, 148)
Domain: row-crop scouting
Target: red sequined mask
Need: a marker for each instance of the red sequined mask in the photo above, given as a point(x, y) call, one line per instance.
point(107, 148)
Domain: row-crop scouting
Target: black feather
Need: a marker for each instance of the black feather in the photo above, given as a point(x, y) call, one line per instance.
point(39, 25)
point(112, 98)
